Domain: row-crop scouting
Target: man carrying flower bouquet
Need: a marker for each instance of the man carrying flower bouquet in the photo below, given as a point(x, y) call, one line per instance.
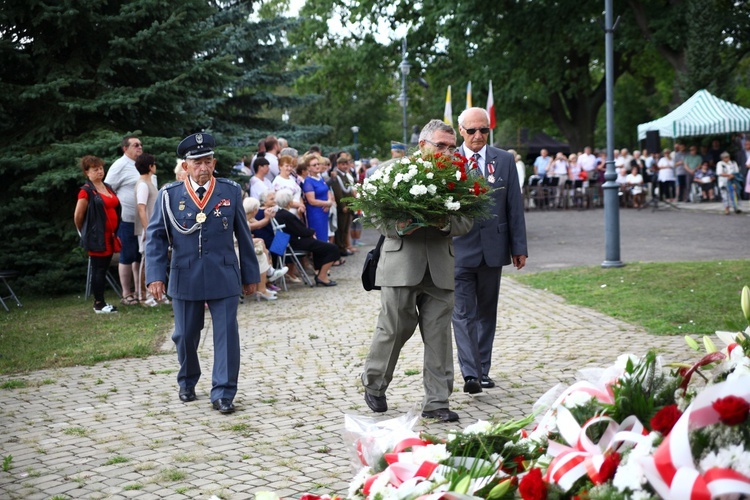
point(493, 242)
point(416, 268)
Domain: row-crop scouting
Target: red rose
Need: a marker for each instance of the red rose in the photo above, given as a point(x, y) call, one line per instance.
point(665, 419)
point(532, 486)
point(609, 467)
point(732, 410)
point(451, 186)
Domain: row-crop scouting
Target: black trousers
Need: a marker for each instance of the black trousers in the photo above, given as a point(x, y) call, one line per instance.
point(99, 266)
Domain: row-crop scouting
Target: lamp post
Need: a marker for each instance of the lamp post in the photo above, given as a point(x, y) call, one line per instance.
point(285, 117)
point(404, 67)
point(610, 187)
point(355, 131)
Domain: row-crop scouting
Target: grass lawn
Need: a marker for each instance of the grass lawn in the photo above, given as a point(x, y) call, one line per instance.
point(64, 331)
point(664, 298)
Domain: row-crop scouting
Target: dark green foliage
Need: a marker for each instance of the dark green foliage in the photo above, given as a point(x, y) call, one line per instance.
point(77, 76)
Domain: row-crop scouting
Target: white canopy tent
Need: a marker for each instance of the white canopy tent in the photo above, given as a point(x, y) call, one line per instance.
point(702, 114)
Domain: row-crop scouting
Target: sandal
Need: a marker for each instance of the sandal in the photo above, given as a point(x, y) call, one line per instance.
point(339, 262)
point(130, 300)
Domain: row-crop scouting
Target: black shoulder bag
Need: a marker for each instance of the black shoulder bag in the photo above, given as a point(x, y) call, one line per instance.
point(371, 266)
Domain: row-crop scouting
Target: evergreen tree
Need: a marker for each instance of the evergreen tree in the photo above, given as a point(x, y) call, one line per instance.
point(76, 76)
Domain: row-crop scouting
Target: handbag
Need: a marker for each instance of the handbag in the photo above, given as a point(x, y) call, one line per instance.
point(279, 243)
point(371, 266)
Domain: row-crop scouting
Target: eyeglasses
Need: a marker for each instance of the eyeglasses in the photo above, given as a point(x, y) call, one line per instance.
point(343, 162)
point(136, 145)
point(441, 146)
point(472, 131)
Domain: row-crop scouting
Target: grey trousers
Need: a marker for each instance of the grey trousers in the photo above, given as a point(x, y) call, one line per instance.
point(403, 309)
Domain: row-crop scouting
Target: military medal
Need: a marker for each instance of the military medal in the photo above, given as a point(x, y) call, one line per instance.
point(491, 170)
point(200, 217)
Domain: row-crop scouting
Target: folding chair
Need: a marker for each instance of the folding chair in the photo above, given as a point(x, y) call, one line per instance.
point(293, 255)
point(110, 279)
point(5, 276)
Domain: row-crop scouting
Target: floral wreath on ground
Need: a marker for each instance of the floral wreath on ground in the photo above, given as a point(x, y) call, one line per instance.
point(639, 429)
point(424, 189)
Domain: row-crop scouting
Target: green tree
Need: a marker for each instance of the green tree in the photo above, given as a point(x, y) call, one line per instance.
point(76, 76)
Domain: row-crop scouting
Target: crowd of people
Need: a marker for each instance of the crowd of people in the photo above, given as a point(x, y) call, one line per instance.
point(113, 211)
point(690, 173)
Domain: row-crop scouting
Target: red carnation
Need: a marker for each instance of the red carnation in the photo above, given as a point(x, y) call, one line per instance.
point(732, 410)
point(532, 486)
point(451, 186)
point(609, 467)
point(463, 175)
point(665, 419)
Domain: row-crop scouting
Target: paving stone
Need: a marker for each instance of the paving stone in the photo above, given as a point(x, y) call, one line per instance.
point(299, 376)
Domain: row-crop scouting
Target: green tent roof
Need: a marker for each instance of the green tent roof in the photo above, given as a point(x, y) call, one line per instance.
point(702, 114)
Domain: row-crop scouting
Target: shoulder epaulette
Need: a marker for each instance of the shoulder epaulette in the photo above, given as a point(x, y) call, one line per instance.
point(228, 181)
point(174, 184)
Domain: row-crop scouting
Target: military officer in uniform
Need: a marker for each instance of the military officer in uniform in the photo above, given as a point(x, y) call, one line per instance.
point(200, 218)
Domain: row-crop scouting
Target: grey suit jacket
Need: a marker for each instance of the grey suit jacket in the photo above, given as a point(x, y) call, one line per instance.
point(404, 260)
point(498, 238)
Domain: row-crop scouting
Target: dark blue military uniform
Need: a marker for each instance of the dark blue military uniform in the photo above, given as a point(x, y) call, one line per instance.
point(204, 268)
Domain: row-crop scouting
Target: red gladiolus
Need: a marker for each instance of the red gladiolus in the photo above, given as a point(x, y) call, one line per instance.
point(665, 419)
point(451, 186)
point(609, 467)
point(732, 410)
point(532, 486)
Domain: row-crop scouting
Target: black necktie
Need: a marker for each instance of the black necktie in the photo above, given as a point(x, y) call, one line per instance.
point(201, 191)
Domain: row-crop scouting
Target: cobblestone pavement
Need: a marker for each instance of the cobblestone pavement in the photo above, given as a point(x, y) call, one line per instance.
point(118, 429)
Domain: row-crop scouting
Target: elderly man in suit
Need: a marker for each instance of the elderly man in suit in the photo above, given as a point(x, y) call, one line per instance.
point(416, 275)
point(200, 218)
point(481, 253)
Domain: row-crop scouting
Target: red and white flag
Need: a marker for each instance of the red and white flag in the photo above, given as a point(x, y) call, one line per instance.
point(491, 107)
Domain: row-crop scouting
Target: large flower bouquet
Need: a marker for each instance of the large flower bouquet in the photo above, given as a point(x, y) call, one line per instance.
point(423, 190)
point(639, 429)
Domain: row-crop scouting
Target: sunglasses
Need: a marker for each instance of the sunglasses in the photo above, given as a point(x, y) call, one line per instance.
point(472, 131)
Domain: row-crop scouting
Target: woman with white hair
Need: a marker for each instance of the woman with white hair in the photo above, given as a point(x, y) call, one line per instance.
point(303, 238)
point(267, 273)
point(726, 169)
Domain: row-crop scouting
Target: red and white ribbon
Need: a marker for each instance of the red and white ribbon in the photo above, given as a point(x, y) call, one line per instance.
point(582, 456)
point(672, 470)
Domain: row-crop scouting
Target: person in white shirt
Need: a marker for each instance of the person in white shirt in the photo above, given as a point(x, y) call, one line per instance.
point(122, 176)
point(272, 155)
point(666, 177)
point(634, 186)
point(259, 183)
point(726, 170)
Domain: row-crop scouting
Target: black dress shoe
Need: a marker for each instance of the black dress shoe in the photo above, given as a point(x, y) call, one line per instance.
point(223, 405)
point(378, 404)
point(442, 414)
point(487, 382)
point(472, 386)
point(319, 281)
point(187, 394)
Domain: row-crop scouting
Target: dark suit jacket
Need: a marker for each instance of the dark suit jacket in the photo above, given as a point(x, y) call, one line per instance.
point(498, 238)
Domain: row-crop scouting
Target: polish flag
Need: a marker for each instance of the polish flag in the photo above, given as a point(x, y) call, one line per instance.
point(491, 107)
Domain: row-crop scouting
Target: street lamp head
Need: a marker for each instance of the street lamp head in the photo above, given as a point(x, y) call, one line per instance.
point(355, 129)
point(404, 66)
point(285, 116)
